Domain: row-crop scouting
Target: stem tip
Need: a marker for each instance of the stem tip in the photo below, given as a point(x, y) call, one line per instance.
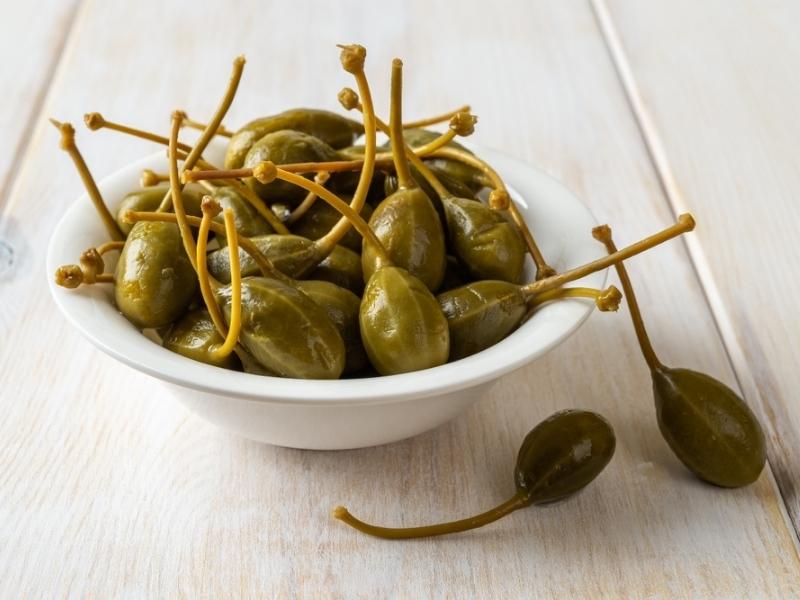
point(463, 123)
point(602, 233)
point(265, 172)
point(348, 98)
point(69, 276)
point(148, 178)
point(210, 207)
point(609, 300)
point(94, 120)
point(352, 57)
point(67, 134)
point(499, 199)
point(91, 264)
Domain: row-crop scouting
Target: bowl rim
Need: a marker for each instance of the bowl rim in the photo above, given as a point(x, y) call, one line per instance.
point(489, 364)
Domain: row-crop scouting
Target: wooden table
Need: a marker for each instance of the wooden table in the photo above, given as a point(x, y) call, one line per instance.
point(109, 488)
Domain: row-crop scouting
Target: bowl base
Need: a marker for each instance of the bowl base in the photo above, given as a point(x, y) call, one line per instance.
point(321, 427)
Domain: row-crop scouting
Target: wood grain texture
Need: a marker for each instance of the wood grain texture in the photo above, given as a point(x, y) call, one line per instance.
point(31, 36)
point(109, 488)
point(715, 87)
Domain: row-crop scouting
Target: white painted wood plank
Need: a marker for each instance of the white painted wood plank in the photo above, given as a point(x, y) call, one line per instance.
point(716, 87)
point(109, 488)
point(31, 35)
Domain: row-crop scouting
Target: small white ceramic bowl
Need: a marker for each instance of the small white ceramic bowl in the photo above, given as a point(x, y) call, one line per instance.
point(348, 413)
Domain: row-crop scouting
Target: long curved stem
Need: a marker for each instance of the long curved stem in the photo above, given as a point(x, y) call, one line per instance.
point(383, 160)
point(404, 179)
point(183, 150)
point(491, 176)
point(257, 203)
point(221, 130)
point(175, 192)
point(436, 119)
point(213, 125)
point(263, 262)
point(210, 187)
point(149, 178)
point(207, 283)
point(436, 143)
point(413, 155)
point(248, 194)
point(68, 144)
point(429, 176)
point(606, 300)
point(403, 533)
point(420, 166)
point(603, 235)
point(321, 178)
point(216, 174)
point(109, 246)
point(340, 205)
point(327, 242)
point(542, 268)
point(685, 223)
point(95, 121)
point(202, 163)
point(337, 166)
point(235, 324)
point(208, 133)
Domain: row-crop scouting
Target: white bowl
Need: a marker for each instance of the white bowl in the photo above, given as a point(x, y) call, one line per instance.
point(348, 413)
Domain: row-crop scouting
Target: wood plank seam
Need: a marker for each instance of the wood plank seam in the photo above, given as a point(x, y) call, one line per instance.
point(38, 104)
point(722, 320)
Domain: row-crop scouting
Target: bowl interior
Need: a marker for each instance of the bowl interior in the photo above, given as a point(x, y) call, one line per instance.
point(562, 226)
